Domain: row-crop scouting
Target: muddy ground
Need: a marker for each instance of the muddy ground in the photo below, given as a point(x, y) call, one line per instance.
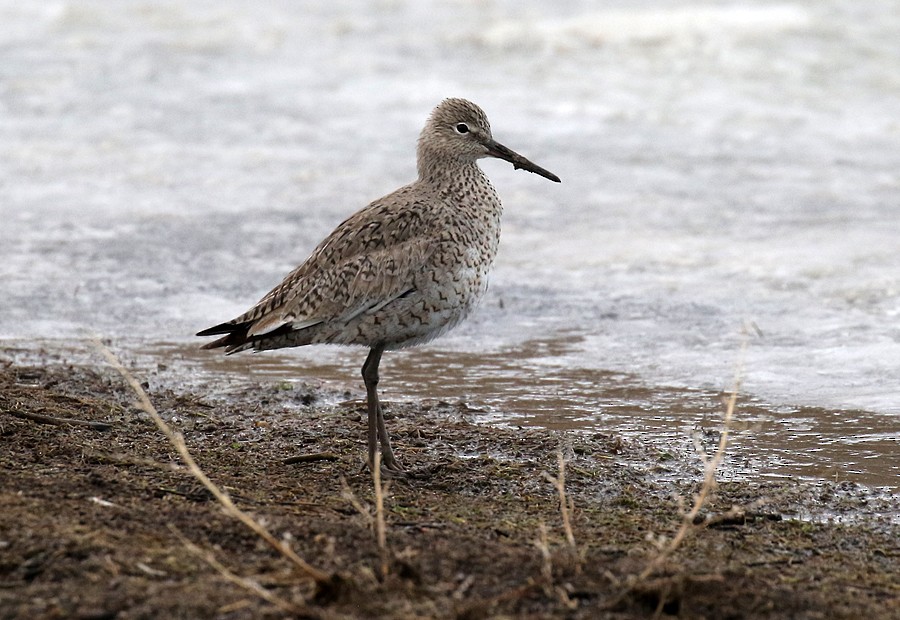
point(93, 518)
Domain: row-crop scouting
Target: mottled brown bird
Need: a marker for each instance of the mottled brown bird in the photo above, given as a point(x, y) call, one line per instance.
point(399, 272)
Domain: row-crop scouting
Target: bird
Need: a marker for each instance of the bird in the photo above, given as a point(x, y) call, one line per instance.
point(399, 272)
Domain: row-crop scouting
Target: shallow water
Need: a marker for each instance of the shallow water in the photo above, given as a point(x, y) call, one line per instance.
point(723, 165)
point(518, 386)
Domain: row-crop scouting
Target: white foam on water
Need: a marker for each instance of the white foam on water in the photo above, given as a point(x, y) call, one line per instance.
point(685, 26)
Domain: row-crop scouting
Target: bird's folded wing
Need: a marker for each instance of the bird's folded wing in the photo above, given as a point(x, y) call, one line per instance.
point(343, 291)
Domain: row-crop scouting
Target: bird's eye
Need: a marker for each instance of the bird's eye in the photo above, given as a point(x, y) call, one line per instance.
point(462, 128)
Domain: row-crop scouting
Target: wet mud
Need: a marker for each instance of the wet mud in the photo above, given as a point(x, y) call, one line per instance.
point(95, 516)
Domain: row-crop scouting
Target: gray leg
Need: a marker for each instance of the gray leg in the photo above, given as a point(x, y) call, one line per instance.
point(387, 454)
point(377, 430)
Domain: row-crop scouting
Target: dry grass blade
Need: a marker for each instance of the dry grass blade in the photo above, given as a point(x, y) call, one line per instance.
point(565, 504)
point(709, 478)
point(243, 582)
point(177, 440)
point(47, 419)
point(380, 529)
point(311, 458)
point(348, 494)
point(543, 545)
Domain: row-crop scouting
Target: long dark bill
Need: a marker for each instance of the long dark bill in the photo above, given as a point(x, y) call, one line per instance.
point(495, 149)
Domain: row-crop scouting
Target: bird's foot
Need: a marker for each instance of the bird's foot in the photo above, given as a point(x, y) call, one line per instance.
point(393, 470)
point(389, 468)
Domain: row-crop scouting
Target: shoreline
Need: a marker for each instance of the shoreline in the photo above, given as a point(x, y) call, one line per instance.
point(89, 514)
point(769, 441)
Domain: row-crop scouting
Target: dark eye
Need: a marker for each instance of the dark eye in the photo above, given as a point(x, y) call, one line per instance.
point(462, 128)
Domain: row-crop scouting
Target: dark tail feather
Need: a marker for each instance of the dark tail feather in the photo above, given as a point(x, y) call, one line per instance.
point(235, 335)
point(223, 328)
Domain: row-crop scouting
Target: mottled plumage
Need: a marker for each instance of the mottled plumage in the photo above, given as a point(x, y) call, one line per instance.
point(399, 272)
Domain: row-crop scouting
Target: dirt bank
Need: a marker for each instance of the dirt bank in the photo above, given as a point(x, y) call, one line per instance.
point(91, 516)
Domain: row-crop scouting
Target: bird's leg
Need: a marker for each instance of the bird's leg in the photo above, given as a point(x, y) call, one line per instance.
point(370, 378)
point(377, 431)
point(387, 454)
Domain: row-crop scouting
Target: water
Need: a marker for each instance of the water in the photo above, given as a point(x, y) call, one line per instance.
point(723, 165)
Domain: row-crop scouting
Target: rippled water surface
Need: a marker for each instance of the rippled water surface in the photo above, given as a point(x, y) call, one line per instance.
point(726, 167)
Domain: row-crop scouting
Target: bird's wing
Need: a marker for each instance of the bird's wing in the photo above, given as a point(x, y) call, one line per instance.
point(369, 260)
point(341, 292)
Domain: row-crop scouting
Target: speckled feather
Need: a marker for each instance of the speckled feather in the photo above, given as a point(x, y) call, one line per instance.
point(402, 270)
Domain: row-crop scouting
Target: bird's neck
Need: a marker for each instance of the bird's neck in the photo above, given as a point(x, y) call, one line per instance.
point(452, 175)
point(437, 170)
